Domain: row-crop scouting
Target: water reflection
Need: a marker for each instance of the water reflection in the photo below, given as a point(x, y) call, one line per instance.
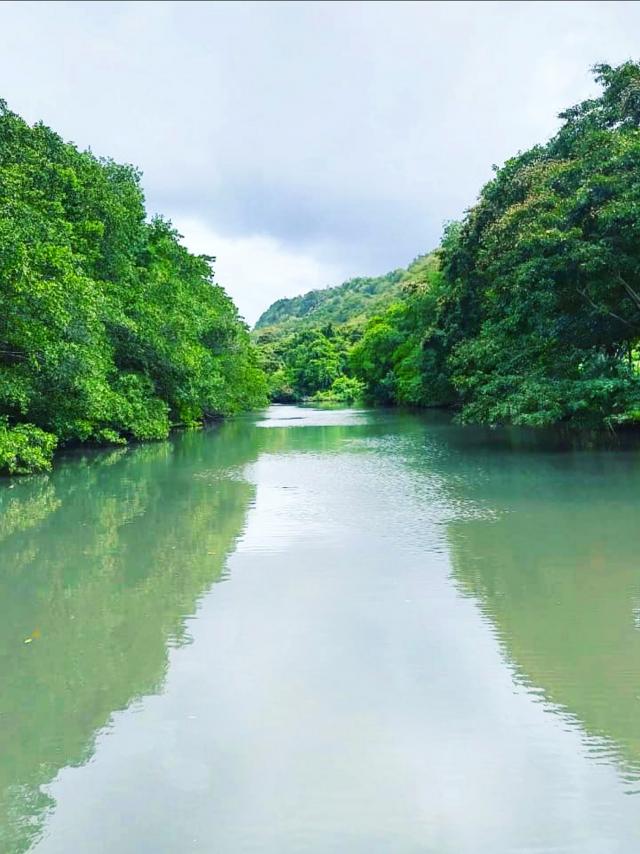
point(101, 563)
point(342, 694)
point(548, 542)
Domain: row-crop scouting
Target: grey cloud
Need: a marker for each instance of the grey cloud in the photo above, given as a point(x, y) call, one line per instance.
point(356, 127)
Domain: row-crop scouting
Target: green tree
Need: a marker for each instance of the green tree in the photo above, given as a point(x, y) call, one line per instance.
point(542, 314)
point(109, 328)
point(534, 317)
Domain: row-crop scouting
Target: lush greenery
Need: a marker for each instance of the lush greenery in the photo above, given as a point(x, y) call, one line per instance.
point(307, 341)
point(307, 363)
point(354, 301)
point(109, 328)
point(390, 358)
point(535, 315)
point(529, 312)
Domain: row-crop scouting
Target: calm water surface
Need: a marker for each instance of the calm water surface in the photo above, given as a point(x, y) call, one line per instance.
point(323, 631)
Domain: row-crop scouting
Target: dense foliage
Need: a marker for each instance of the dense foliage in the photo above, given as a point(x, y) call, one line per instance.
point(534, 317)
point(529, 312)
point(109, 328)
point(354, 301)
point(307, 341)
point(390, 358)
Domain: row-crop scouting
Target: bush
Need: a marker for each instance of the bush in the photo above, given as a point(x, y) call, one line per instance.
point(343, 390)
point(25, 449)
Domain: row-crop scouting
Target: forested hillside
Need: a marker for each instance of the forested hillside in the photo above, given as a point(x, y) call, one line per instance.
point(529, 311)
point(109, 329)
point(354, 300)
point(306, 341)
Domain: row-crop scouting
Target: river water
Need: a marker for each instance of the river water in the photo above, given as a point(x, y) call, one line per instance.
point(323, 631)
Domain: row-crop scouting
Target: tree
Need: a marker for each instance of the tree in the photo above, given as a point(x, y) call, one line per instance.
point(109, 328)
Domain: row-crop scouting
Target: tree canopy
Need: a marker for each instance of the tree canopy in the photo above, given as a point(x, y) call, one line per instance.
point(527, 313)
point(533, 316)
point(109, 328)
point(307, 341)
point(354, 300)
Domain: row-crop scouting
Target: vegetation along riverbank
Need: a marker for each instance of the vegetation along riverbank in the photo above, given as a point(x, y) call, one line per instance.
point(527, 313)
point(110, 329)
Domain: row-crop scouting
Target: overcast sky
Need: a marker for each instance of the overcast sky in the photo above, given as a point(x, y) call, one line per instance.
point(303, 143)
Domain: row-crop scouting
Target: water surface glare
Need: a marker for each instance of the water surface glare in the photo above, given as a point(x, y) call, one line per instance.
point(317, 631)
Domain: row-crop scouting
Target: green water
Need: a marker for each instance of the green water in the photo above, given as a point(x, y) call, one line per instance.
point(323, 631)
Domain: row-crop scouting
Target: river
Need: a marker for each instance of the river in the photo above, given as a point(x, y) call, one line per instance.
point(323, 631)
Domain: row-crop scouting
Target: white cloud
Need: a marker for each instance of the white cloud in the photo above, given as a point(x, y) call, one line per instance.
point(314, 134)
point(257, 269)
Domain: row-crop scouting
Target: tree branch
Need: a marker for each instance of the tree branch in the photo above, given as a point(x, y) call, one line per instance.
point(603, 310)
point(634, 296)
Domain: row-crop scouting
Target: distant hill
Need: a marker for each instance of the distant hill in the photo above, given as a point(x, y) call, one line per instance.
point(356, 298)
point(306, 341)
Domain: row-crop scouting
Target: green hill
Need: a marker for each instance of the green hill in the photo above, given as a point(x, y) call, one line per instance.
point(306, 341)
point(353, 300)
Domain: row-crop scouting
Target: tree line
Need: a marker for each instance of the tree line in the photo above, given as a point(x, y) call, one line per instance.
point(110, 330)
point(529, 310)
point(527, 313)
